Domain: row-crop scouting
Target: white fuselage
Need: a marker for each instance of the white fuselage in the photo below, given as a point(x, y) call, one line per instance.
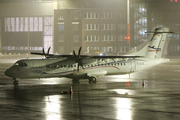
point(47, 68)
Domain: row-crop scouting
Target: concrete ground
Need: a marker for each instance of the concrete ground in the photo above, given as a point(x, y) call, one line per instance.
point(112, 97)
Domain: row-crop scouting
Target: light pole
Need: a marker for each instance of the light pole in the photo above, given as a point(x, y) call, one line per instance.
point(128, 24)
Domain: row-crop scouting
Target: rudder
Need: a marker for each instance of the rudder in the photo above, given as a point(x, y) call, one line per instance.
point(157, 43)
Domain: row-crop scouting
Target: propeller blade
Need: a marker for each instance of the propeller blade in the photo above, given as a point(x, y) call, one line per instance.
point(44, 53)
point(74, 53)
point(78, 59)
point(79, 52)
point(48, 50)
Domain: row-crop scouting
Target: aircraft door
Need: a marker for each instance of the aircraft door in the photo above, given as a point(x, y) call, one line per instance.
point(133, 65)
point(47, 67)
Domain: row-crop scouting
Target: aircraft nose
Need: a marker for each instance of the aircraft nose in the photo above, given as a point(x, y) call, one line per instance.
point(7, 73)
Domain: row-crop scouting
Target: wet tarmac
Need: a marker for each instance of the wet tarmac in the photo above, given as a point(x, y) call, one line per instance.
point(111, 98)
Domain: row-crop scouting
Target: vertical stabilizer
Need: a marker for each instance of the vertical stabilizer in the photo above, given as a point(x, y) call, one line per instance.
point(157, 43)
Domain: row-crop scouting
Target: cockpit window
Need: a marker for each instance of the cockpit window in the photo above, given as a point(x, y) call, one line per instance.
point(21, 64)
point(16, 64)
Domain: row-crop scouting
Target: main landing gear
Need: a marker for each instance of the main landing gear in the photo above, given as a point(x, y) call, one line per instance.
point(75, 80)
point(92, 79)
point(15, 82)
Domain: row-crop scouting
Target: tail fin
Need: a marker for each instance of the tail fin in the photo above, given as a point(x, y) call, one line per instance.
point(155, 47)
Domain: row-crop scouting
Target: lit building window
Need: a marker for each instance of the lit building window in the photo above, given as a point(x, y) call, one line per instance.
point(91, 15)
point(61, 17)
point(91, 38)
point(91, 27)
point(109, 38)
point(108, 15)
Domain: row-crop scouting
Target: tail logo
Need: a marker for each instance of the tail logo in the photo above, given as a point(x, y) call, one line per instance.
point(154, 49)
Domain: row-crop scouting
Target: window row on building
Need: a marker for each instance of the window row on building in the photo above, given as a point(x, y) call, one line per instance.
point(174, 48)
point(174, 36)
point(94, 38)
point(95, 15)
point(91, 27)
point(23, 24)
point(20, 48)
point(75, 27)
point(105, 26)
point(169, 15)
point(75, 38)
point(107, 15)
point(90, 38)
point(109, 38)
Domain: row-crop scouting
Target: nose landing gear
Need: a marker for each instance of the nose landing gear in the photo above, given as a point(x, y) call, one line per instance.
point(92, 79)
point(15, 82)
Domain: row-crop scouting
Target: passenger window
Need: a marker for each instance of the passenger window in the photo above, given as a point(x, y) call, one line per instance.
point(21, 64)
point(25, 64)
point(51, 66)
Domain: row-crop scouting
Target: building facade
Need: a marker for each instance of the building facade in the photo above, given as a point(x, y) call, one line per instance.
point(94, 29)
point(94, 26)
point(146, 15)
point(25, 26)
point(99, 25)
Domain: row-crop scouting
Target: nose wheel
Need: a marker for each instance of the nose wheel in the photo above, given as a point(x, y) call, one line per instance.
point(15, 82)
point(92, 80)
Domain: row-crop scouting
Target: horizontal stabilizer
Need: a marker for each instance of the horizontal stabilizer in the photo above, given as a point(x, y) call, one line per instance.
point(159, 32)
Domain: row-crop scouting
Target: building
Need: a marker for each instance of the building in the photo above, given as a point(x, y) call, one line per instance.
point(101, 25)
point(26, 25)
point(94, 26)
point(146, 15)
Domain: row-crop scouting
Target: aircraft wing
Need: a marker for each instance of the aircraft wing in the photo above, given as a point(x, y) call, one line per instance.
point(115, 56)
point(83, 56)
point(50, 55)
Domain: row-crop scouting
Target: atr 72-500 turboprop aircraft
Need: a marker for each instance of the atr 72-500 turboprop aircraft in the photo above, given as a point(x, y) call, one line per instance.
point(90, 67)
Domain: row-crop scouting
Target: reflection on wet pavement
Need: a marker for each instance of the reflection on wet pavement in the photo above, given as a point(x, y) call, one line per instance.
point(112, 97)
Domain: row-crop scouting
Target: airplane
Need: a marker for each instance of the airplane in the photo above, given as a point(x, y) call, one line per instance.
point(79, 66)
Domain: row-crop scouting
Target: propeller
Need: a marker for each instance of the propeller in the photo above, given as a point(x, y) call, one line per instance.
point(46, 54)
point(78, 59)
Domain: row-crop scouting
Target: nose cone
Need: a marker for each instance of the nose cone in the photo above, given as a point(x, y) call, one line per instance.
point(7, 73)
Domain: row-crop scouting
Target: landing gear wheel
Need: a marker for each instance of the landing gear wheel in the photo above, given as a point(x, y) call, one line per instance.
point(75, 80)
point(92, 80)
point(15, 82)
